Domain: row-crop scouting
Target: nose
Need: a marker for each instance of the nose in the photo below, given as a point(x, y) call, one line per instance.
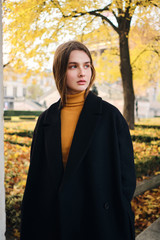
point(81, 72)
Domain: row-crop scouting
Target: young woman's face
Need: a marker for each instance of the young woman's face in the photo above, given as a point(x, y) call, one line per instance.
point(78, 72)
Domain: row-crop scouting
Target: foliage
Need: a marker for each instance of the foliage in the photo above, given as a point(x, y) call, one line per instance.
point(146, 208)
point(151, 131)
point(13, 204)
point(15, 139)
point(18, 161)
point(145, 54)
point(147, 149)
point(19, 132)
point(147, 126)
point(146, 144)
point(19, 126)
point(147, 167)
point(149, 121)
point(16, 168)
point(33, 29)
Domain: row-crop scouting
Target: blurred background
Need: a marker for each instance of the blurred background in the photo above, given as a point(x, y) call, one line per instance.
point(124, 39)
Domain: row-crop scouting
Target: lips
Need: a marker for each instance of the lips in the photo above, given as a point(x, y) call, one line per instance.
point(81, 82)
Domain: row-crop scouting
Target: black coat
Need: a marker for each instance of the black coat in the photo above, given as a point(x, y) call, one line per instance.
point(91, 198)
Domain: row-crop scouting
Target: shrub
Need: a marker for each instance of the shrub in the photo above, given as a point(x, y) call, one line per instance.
point(13, 205)
point(27, 117)
point(7, 118)
point(147, 165)
point(147, 126)
point(144, 138)
point(21, 113)
point(26, 133)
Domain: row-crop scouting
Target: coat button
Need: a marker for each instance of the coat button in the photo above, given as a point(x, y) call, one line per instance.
point(106, 206)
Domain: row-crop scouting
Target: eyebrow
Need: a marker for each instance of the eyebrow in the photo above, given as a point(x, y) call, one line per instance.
point(77, 62)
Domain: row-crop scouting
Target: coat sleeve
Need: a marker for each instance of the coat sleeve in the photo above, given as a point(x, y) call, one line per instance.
point(128, 175)
point(32, 189)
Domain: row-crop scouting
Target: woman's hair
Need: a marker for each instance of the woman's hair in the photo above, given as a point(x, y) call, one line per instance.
point(60, 65)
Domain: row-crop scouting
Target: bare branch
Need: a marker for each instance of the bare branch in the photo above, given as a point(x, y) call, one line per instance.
point(145, 50)
point(97, 13)
point(106, 19)
point(5, 65)
point(57, 5)
point(85, 27)
point(156, 52)
point(157, 38)
point(106, 8)
point(94, 13)
point(141, 3)
point(149, 47)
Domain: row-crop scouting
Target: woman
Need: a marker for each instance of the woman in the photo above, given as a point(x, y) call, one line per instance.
point(81, 177)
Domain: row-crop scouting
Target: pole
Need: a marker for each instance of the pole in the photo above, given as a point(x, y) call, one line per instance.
point(2, 191)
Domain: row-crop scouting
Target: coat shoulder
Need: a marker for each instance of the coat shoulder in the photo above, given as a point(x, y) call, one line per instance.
point(47, 116)
point(109, 112)
point(108, 107)
point(112, 112)
point(54, 107)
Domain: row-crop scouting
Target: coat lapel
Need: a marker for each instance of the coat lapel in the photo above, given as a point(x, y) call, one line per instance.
point(83, 135)
point(52, 140)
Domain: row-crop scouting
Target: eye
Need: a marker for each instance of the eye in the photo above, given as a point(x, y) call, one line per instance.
point(72, 66)
point(87, 65)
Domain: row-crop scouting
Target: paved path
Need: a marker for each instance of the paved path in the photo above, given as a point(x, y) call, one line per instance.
point(151, 233)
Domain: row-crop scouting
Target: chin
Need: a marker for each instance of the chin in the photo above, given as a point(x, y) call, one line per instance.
point(77, 89)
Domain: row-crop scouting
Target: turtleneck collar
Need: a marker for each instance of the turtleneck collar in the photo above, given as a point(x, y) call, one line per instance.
point(75, 99)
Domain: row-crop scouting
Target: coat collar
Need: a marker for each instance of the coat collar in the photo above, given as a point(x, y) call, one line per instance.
point(81, 140)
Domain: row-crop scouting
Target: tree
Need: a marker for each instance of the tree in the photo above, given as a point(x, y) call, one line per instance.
point(34, 24)
point(34, 91)
point(144, 50)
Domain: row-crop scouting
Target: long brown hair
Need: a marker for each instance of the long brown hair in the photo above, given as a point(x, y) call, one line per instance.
point(60, 64)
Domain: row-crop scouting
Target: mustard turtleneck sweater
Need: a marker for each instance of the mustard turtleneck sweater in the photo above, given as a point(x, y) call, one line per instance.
point(69, 117)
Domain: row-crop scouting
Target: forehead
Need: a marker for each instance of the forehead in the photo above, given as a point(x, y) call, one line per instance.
point(78, 56)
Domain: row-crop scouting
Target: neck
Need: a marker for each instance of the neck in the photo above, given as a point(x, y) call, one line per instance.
point(77, 98)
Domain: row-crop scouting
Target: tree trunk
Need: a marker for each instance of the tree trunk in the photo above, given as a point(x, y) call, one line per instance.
point(127, 82)
point(2, 192)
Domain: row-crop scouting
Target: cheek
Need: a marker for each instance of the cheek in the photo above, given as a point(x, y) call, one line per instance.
point(70, 77)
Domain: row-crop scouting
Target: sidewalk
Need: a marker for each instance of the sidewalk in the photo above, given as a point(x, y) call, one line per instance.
point(151, 233)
